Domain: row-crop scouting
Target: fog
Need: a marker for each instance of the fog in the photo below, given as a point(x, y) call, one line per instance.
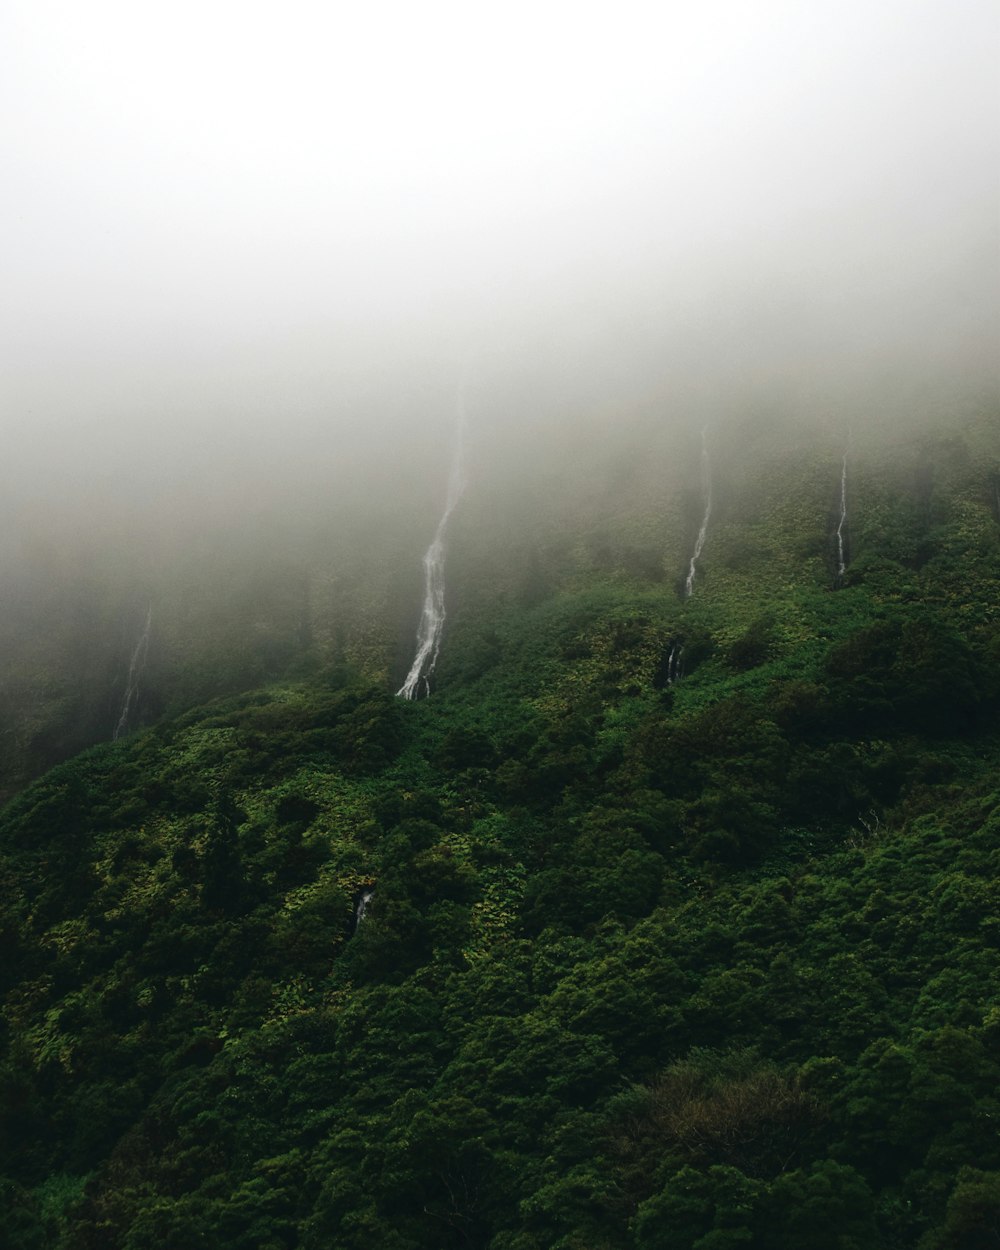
point(251, 247)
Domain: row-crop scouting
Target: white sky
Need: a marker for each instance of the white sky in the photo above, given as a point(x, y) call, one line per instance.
point(225, 207)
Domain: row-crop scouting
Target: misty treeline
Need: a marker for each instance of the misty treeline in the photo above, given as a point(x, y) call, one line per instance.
point(259, 555)
point(689, 953)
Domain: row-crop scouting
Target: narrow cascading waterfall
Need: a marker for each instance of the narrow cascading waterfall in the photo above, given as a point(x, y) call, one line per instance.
point(135, 669)
point(432, 616)
point(364, 898)
point(841, 548)
point(706, 483)
point(674, 663)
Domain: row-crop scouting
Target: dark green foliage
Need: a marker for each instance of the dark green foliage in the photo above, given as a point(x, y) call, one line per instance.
point(910, 669)
point(972, 1220)
point(753, 647)
point(223, 885)
point(651, 958)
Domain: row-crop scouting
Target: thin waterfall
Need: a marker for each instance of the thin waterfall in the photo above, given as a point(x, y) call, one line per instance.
point(674, 663)
point(360, 911)
point(841, 552)
point(135, 670)
point(431, 627)
point(706, 484)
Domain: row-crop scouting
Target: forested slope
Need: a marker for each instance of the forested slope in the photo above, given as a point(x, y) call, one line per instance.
point(683, 924)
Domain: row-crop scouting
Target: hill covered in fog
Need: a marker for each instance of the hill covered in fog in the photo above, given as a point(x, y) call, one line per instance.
point(667, 919)
point(258, 569)
point(624, 379)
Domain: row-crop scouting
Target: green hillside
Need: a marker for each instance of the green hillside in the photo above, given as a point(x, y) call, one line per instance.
point(690, 953)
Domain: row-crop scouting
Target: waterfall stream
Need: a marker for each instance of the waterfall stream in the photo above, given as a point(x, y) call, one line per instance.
point(706, 482)
point(364, 899)
point(135, 669)
point(841, 553)
point(432, 616)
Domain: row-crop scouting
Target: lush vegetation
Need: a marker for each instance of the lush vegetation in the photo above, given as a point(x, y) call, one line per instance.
point(707, 963)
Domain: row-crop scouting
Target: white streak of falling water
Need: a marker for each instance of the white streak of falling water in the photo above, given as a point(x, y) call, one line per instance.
point(433, 614)
point(841, 564)
point(706, 482)
point(136, 665)
point(362, 907)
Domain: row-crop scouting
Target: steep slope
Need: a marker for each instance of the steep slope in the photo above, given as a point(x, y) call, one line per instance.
point(682, 919)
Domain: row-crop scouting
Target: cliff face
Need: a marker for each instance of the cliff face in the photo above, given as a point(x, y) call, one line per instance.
point(667, 919)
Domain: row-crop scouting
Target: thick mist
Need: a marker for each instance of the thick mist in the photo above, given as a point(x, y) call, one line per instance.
point(247, 251)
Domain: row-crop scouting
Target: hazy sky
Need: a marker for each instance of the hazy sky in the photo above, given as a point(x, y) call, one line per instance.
point(221, 212)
